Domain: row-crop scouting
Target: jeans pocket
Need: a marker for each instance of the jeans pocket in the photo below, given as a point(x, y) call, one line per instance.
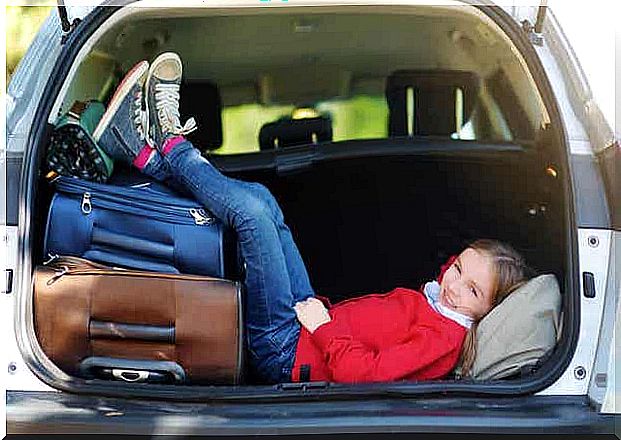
point(272, 355)
point(286, 338)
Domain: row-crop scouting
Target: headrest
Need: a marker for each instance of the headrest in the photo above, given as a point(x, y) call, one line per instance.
point(519, 331)
point(201, 100)
point(433, 101)
point(288, 132)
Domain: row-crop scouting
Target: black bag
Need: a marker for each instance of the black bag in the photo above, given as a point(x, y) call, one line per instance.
point(72, 151)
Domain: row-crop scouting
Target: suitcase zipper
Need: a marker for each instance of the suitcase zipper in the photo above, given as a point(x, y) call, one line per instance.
point(182, 215)
point(86, 206)
point(157, 208)
point(200, 217)
point(69, 265)
point(64, 265)
point(134, 194)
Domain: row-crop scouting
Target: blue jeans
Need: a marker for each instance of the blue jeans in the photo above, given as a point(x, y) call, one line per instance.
point(276, 277)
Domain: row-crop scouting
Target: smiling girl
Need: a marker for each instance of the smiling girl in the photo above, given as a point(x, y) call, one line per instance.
point(406, 334)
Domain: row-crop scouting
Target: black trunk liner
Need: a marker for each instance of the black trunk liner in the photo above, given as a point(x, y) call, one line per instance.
point(369, 224)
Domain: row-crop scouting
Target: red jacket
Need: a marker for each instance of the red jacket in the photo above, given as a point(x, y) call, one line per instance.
point(380, 337)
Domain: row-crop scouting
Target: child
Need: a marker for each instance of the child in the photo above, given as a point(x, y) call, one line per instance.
point(292, 335)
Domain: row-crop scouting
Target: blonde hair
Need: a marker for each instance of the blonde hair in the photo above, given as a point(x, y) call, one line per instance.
point(511, 272)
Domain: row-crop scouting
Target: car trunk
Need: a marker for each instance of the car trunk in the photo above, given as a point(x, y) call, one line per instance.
point(368, 212)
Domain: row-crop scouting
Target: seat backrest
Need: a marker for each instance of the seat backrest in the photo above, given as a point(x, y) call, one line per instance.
point(201, 100)
point(287, 132)
point(423, 102)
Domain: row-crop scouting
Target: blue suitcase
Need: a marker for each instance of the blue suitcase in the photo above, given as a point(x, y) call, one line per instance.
point(144, 226)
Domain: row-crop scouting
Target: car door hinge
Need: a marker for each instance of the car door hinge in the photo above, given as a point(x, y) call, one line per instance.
point(534, 37)
point(534, 32)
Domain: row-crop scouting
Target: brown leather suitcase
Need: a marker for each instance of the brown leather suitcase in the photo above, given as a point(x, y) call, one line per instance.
point(100, 322)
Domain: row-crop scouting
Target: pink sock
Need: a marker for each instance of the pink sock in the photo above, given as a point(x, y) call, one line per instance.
point(171, 143)
point(144, 156)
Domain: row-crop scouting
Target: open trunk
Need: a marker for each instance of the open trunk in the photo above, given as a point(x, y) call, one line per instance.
point(473, 150)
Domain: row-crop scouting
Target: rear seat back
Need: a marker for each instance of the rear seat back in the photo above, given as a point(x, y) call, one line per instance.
point(287, 132)
point(431, 110)
point(201, 100)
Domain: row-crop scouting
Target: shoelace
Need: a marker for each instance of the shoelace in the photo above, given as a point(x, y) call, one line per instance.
point(140, 116)
point(167, 106)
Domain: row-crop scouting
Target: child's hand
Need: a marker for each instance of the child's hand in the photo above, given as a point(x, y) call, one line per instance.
point(311, 314)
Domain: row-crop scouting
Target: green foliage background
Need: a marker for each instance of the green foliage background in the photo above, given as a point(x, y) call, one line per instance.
point(22, 24)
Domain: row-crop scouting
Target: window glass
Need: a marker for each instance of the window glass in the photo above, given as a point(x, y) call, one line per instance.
point(241, 125)
point(361, 117)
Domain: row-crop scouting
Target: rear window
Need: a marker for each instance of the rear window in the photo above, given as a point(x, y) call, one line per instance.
point(361, 117)
point(440, 113)
point(278, 80)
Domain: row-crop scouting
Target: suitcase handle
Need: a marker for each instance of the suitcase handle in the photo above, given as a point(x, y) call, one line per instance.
point(153, 249)
point(130, 370)
point(140, 332)
point(131, 375)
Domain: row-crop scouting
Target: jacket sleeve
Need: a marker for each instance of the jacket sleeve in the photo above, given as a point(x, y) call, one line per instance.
point(351, 361)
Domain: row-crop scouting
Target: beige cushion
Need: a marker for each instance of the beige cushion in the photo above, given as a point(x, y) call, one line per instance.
point(518, 331)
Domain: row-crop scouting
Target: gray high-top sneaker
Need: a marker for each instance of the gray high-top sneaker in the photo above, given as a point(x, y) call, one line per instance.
point(121, 132)
point(162, 100)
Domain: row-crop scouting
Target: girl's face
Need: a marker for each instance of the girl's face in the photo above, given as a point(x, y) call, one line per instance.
point(468, 284)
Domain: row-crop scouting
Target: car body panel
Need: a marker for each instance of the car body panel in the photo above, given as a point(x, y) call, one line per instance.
point(605, 387)
point(34, 407)
point(585, 121)
point(594, 256)
point(67, 414)
point(19, 376)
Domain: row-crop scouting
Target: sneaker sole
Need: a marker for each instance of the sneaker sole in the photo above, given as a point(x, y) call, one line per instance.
point(121, 92)
point(161, 58)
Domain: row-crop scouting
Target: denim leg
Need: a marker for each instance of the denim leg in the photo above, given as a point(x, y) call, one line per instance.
point(157, 168)
point(298, 275)
point(271, 323)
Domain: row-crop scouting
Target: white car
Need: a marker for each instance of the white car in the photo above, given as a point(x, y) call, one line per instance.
point(439, 123)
